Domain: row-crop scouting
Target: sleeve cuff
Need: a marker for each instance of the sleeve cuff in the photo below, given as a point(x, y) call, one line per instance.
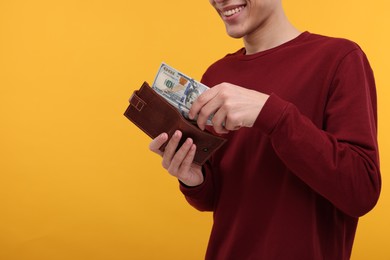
point(190, 190)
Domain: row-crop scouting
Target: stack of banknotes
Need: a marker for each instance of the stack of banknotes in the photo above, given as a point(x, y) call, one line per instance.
point(177, 88)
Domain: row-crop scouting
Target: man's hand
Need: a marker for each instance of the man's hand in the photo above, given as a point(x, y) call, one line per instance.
point(178, 163)
point(233, 107)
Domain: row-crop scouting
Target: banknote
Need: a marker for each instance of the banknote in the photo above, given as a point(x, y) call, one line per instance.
point(177, 88)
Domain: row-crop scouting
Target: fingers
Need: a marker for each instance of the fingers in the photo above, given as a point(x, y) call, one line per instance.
point(178, 160)
point(223, 122)
point(170, 149)
point(219, 121)
point(232, 107)
point(181, 163)
point(199, 107)
point(218, 107)
point(210, 102)
point(156, 143)
point(185, 174)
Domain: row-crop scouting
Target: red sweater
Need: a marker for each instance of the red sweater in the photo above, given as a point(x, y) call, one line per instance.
point(293, 185)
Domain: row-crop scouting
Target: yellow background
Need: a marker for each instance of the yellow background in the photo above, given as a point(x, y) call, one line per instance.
point(76, 178)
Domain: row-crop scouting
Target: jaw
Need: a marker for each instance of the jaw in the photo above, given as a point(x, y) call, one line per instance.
point(236, 32)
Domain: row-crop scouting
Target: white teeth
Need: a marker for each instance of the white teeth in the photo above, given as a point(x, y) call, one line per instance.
point(233, 11)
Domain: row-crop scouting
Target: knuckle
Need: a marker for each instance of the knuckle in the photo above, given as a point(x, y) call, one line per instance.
point(172, 171)
point(223, 85)
point(227, 103)
point(165, 164)
point(223, 95)
point(201, 99)
point(231, 118)
point(179, 175)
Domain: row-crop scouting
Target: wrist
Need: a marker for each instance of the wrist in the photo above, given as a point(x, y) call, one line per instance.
point(182, 183)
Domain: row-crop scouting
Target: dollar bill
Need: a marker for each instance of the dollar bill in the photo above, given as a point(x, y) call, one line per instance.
point(178, 89)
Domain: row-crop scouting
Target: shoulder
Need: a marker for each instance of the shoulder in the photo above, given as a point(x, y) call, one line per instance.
point(336, 46)
point(339, 50)
point(309, 49)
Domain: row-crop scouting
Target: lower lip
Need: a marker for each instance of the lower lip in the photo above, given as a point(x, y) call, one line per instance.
point(232, 17)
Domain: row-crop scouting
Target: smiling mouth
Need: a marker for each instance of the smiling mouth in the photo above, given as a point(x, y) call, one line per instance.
point(233, 11)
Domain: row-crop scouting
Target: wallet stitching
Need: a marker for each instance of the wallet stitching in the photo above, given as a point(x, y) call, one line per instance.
point(140, 103)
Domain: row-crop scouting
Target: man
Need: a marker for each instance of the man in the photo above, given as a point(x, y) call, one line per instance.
point(301, 163)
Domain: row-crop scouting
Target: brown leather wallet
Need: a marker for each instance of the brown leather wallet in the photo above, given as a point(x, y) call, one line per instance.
point(154, 115)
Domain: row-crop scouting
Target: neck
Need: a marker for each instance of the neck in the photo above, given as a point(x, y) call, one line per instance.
point(271, 34)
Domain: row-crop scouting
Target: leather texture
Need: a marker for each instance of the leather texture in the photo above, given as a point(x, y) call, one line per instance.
point(154, 115)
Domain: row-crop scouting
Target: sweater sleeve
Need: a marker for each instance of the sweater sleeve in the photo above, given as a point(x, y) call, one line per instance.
point(339, 161)
point(201, 197)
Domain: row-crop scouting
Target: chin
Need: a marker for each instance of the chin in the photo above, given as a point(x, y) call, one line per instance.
point(234, 34)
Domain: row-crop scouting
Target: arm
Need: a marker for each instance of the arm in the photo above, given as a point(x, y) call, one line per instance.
point(340, 161)
point(195, 184)
point(201, 197)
